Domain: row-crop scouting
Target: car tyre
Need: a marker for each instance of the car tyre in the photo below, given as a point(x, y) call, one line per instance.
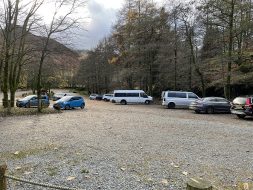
point(147, 102)
point(210, 110)
point(123, 102)
point(241, 116)
point(67, 107)
point(171, 105)
point(82, 106)
point(27, 105)
point(197, 111)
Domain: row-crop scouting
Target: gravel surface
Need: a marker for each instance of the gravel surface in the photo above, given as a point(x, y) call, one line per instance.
point(108, 146)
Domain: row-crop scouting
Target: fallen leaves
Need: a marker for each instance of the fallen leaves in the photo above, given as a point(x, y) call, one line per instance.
point(70, 178)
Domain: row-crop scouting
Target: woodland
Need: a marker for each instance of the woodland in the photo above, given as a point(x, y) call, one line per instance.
point(202, 46)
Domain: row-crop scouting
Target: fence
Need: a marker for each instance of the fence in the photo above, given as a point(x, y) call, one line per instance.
point(192, 184)
point(4, 177)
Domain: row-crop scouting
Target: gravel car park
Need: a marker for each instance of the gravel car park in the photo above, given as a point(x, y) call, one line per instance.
point(108, 146)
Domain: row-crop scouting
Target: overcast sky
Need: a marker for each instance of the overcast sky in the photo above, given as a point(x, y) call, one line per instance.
point(101, 15)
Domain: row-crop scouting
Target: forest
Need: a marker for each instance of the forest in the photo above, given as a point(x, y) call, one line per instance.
point(203, 46)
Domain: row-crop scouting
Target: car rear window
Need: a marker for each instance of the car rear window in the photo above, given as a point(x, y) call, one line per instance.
point(240, 100)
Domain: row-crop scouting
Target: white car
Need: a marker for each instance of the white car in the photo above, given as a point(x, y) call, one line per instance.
point(93, 96)
point(107, 97)
point(178, 99)
point(131, 96)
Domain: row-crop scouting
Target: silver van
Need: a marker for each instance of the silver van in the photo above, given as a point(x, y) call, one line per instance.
point(178, 99)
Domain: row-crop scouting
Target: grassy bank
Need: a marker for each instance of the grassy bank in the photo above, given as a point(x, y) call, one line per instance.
point(4, 112)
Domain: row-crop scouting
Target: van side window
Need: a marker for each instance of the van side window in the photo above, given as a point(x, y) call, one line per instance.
point(193, 96)
point(132, 94)
point(120, 95)
point(180, 95)
point(171, 94)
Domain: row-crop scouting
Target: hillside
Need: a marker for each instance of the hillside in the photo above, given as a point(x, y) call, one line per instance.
point(59, 68)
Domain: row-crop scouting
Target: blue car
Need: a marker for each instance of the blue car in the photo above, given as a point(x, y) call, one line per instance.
point(32, 101)
point(69, 102)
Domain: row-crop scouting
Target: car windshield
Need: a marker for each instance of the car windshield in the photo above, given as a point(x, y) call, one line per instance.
point(65, 98)
point(28, 97)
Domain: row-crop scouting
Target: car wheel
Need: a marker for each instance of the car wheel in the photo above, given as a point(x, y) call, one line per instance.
point(147, 102)
point(210, 110)
point(123, 102)
point(27, 105)
point(241, 116)
point(67, 107)
point(171, 105)
point(82, 106)
point(197, 111)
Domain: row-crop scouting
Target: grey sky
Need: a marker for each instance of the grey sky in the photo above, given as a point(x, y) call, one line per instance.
point(101, 15)
point(100, 18)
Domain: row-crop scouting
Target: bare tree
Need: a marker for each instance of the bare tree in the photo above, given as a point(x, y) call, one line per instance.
point(17, 21)
point(59, 24)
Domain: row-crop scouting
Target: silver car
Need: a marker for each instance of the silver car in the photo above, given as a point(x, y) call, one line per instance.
point(178, 99)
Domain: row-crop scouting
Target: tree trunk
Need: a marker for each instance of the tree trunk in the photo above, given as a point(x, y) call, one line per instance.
point(230, 49)
point(12, 96)
point(5, 99)
point(189, 34)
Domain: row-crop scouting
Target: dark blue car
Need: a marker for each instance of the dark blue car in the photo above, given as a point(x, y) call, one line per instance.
point(69, 102)
point(32, 101)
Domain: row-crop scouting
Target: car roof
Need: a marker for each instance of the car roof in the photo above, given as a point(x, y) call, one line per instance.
point(117, 91)
point(179, 91)
point(214, 97)
point(73, 96)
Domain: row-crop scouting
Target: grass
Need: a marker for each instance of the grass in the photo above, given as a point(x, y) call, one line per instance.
point(85, 171)
point(24, 153)
point(4, 112)
point(52, 171)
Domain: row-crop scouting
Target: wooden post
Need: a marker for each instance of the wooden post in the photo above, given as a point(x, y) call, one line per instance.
point(3, 182)
point(245, 186)
point(198, 184)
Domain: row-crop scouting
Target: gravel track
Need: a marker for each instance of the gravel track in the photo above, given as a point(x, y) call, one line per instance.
point(107, 146)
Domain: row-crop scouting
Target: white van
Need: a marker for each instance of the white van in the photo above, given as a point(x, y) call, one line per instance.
point(131, 96)
point(178, 99)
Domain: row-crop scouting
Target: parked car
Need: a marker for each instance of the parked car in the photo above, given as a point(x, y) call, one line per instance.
point(178, 99)
point(32, 101)
point(58, 96)
point(131, 96)
point(99, 97)
point(242, 106)
point(211, 105)
point(69, 102)
point(107, 97)
point(93, 96)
